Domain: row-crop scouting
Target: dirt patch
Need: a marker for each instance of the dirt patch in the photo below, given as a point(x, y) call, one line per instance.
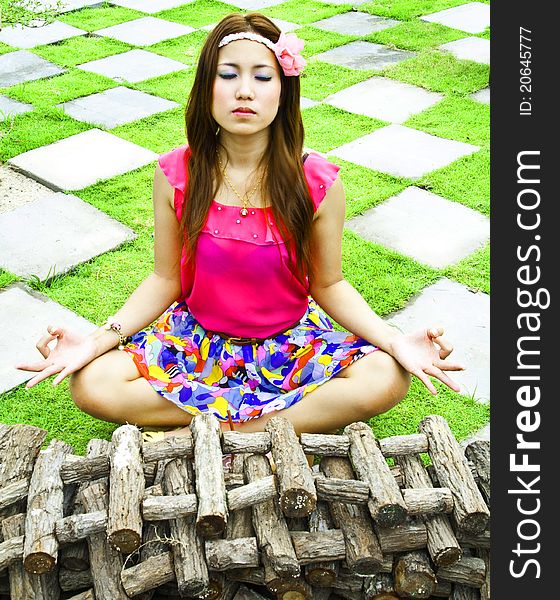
point(17, 189)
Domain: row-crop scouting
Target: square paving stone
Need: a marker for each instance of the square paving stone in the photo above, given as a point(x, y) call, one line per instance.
point(54, 234)
point(364, 55)
point(24, 318)
point(29, 37)
point(470, 48)
point(355, 23)
point(385, 99)
point(482, 95)
point(20, 66)
point(116, 106)
point(465, 317)
point(133, 66)
point(66, 5)
point(150, 6)
point(307, 103)
point(16, 189)
point(424, 226)
point(82, 160)
point(473, 17)
point(9, 107)
point(285, 26)
point(145, 31)
point(403, 151)
point(354, 2)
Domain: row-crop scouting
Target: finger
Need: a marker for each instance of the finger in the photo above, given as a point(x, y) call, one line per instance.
point(38, 366)
point(439, 374)
point(43, 375)
point(434, 332)
point(62, 375)
point(42, 344)
point(445, 348)
point(426, 381)
point(447, 366)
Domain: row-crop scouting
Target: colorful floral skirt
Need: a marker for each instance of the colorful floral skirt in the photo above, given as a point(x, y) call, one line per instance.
point(200, 371)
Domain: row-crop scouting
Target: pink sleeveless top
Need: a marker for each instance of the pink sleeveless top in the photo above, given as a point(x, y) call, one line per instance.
point(241, 284)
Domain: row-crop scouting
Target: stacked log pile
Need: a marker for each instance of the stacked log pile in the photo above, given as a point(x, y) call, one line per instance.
point(165, 520)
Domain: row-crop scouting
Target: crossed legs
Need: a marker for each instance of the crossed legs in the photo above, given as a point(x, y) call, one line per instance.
point(110, 388)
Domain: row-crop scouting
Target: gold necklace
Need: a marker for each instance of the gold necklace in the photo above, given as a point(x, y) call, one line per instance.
point(245, 199)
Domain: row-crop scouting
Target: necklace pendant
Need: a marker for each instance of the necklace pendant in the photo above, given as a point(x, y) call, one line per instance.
point(243, 212)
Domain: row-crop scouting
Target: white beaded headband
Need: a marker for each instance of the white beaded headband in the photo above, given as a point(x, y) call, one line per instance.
point(287, 49)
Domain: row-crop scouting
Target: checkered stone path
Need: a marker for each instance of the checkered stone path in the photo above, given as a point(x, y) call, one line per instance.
point(30, 37)
point(24, 318)
point(355, 23)
point(402, 151)
point(364, 55)
point(65, 5)
point(81, 160)
point(470, 48)
point(9, 107)
point(21, 66)
point(385, 99)
point(145, 31)
point(68, 230)
point(406, 222)
point(473, 17)
point(133, 66)
point(423, 226)
point(438, 305)
point(116, 106)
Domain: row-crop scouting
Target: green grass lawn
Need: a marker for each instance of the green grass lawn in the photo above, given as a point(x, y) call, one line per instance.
point(386, 279)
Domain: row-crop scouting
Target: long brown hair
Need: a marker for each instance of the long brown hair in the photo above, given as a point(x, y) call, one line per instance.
point(283, 183)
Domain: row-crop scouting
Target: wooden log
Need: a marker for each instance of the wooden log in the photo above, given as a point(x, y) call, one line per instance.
point(235, 442)
point(348, 582)
point(106, 562)
point(13, 493)
point(169, 507)
point(469, 570)
point(20, 445)
point(44, 508)
point(11, 549)
point(464, 592)
point(350, 491)
point(126, 489)
point(380, 587)
point(410, 535)
point(210, 485)
point(443, 589)
point(428, 501)
point(480, 540)
point(318, 546)
point(87, 595)
point(191, 570)
point(252, 493)
point(484, 554)
point(252, 576)
point(469, 509)
point(240, 522)
point(231, 554)
point(403, 445)
point(413, 575)
point(23, 585)
point(386, 504)
point(75, 556)
point(72, 581)
point(269, 524)
point(244, 593)
point(77, 469)
point(442, 545)
point(148, 574)
point(296, 488)
point(323, 573)
point(287, 588)
point(363, 553)
point(325, 444)
point(478, 453)
point(79, 527)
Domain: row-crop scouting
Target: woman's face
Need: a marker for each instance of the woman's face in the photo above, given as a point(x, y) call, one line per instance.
point(248, 78)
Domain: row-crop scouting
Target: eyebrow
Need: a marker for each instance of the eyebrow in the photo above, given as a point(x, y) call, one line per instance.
point(237, 66)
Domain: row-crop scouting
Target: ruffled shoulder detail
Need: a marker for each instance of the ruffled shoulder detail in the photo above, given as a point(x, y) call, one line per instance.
point(174, 166)
point(320, 175)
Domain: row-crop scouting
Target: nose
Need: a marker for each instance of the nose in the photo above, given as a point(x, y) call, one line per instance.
point(245, 89)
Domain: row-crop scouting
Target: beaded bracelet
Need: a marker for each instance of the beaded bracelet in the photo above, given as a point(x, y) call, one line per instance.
point(113, 325)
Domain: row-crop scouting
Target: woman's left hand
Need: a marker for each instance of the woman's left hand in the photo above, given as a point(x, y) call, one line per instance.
point(424, 354)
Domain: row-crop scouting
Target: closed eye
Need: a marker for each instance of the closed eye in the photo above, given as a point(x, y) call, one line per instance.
point(232, 75)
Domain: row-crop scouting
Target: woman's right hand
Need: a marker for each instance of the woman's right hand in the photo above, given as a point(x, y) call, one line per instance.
point(71, 352)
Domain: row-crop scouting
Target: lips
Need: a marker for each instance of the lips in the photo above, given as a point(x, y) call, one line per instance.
point(244, 109)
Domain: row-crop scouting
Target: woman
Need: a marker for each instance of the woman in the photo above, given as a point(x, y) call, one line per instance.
point(246, 229)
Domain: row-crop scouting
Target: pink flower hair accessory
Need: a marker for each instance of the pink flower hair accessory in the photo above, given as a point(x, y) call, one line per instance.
point(287, 49)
